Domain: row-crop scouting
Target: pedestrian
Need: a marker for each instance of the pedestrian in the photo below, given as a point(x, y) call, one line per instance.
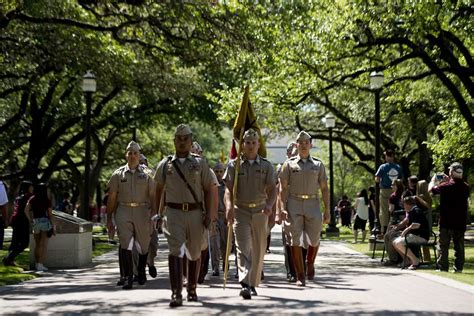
point(3, 212)
point(20, 224)
point(43, 223)
point(131, 201)
point(256, 194)
point(453, 205)
point(361, 214)
point(301, 179)
point(412, 185)
point(385, 175)
point(65, 205)
point(189, 183)
point(345, 210)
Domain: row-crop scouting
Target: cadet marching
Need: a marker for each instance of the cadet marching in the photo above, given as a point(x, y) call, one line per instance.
point(191, 203)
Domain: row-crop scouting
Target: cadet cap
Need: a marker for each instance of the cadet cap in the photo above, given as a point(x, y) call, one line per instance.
point(133, 146)
point(182, 130)
point(196, 148)
point(251, 134)
point(219, 166)
point(303, 136)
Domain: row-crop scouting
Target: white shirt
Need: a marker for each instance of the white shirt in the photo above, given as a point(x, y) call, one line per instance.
point(362, 210)
point(3, 194)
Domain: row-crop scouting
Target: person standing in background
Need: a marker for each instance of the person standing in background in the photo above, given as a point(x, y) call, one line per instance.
point(453, 205)
point(3, 212)
point(20, 224)
point(385, 175)
point(40, 205)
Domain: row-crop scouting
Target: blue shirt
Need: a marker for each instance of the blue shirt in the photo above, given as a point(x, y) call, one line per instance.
point(387, 173)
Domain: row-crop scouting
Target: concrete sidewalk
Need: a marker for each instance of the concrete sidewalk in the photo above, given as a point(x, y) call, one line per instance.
point(346, 283)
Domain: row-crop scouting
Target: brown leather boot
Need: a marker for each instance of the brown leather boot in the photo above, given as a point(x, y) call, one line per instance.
point(175, 265)
point(127, 269)
point(193, 273)
point(204, 265)
point(297, 253)
point(310, 258)
point(141, 268)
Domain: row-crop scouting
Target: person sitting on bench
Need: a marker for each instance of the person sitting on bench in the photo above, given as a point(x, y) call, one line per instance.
point(416, 232)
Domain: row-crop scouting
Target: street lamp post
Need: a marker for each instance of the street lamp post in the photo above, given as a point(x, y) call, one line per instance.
point(331, 230)
point(376, 83)
point(88, 87)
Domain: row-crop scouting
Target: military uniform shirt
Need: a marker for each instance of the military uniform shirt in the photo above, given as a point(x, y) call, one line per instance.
point(303, 178)
point(253, 178)
point(196, 171)
point(132, 186)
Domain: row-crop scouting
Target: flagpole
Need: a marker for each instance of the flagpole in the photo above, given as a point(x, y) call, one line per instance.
point(234, 190)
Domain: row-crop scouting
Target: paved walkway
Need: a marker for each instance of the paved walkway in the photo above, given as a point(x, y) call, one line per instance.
point(346, 283)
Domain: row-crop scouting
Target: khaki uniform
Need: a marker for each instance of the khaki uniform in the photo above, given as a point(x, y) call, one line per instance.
point(303, 205)
point(135, 190)
point(183, 215)
point(251, 225)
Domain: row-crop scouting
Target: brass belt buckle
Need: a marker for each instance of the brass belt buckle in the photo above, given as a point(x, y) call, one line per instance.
point(252, 205)
point(185, 207)
point(133, 204)
point(305, 196)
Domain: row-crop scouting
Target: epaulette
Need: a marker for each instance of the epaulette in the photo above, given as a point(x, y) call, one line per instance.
point(292, 158)
point(263, 158)
point(314, 158)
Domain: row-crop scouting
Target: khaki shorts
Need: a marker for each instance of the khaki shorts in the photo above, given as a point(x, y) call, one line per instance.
point(412, 239)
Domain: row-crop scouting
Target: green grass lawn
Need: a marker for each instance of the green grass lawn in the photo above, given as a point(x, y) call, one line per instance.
point(13, 275)
point(466, 277)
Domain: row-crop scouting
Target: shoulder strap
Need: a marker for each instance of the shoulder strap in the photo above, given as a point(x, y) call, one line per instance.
point(185, 181)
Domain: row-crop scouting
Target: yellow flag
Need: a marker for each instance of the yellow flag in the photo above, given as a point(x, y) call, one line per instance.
point(247, 118)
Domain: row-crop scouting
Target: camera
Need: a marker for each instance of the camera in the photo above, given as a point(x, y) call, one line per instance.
point(439, 177)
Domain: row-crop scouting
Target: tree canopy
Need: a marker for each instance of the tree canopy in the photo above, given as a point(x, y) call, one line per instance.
point(160, 63)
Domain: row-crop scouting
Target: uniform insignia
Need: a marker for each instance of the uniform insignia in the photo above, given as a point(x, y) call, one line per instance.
point(142, 175)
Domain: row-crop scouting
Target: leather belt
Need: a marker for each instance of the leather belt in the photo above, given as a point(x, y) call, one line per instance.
point(250, 205)
point(305, 196)
point(184, 206)
point(133, 204)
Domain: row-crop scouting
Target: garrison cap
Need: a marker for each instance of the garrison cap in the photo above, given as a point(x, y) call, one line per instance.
point(133, 146)
point(251, 134)
point(219, 166)
point(182, 130)
point(196, 148)
point(303, 136)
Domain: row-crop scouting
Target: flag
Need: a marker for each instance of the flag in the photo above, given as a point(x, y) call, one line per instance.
point(248, 119)
point(233, 150)
point(222, 157)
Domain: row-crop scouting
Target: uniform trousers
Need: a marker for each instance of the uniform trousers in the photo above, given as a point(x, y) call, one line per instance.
point(184, 231)
point(306, 222)
point(250, 229)
point(133, 223)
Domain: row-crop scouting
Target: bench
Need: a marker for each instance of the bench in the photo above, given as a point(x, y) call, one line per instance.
point(431, 243)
